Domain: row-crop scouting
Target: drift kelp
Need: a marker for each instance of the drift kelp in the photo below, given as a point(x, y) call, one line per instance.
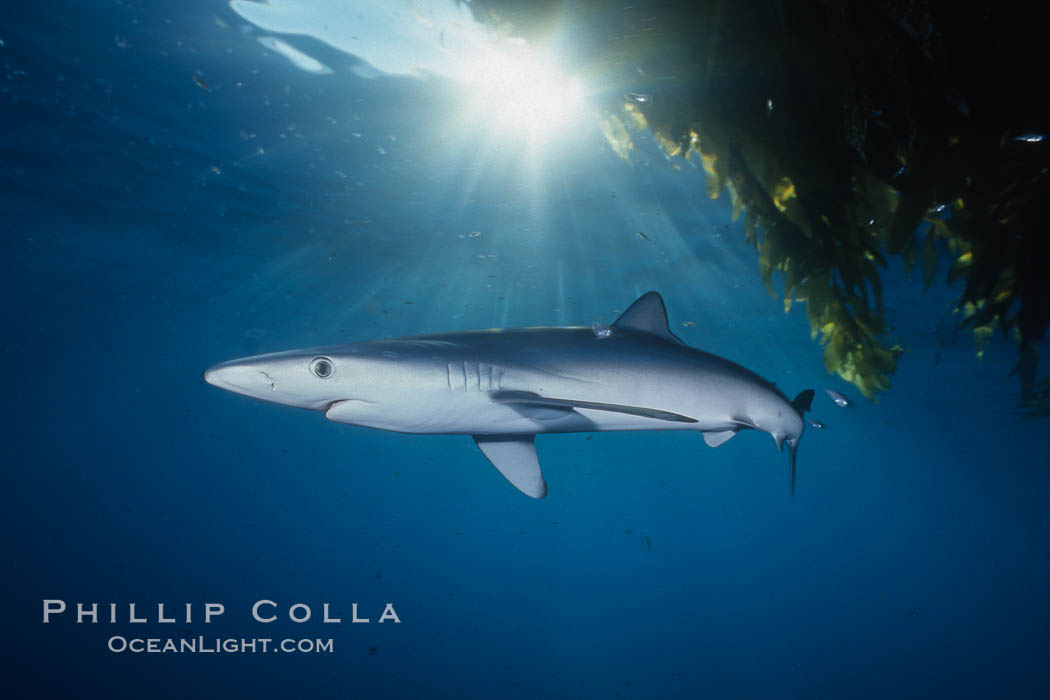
point(846, 133)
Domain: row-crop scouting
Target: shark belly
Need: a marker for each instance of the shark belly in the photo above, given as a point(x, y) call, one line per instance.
point(455, 415)
point(452, 395)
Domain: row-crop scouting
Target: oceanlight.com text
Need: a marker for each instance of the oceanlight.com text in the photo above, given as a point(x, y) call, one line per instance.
point(218, 645)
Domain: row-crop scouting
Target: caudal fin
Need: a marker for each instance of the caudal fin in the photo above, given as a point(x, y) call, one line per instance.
point(802, 403)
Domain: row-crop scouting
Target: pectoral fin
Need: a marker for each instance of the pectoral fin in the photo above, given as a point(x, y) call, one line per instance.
point(714, 439)
point(530, 399)
point(515, 458)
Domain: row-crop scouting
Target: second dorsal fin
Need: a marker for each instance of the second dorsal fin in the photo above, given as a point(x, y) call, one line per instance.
point(648, 315)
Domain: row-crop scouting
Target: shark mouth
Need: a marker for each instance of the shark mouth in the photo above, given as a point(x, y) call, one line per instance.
point(333, 408)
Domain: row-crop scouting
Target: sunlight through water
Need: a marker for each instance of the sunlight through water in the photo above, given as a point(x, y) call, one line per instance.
point(523, 91)
point(513, 87)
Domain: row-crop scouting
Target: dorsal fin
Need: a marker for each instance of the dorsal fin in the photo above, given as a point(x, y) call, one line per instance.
point(648, 315)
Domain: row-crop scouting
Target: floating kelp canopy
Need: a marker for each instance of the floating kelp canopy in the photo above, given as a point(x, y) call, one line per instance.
point(846, 133)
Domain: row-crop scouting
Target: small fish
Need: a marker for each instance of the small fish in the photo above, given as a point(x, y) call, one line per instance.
point(913, 614)
point(840, 400)
point(815, 423)
point(600, 331)
point(201, 83)
point(643, 236)
point(640, 97)
point(1030, 138)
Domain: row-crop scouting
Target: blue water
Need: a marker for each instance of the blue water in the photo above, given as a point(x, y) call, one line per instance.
point(147, 237)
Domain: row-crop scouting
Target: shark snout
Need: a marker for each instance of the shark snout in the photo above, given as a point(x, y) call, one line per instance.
point(285, 380)
point(239, 378)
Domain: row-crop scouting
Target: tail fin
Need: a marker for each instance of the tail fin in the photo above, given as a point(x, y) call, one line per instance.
point(792, 449)
point(802, 403)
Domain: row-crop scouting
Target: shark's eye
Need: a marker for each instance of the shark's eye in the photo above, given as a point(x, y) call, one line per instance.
point(321, 367)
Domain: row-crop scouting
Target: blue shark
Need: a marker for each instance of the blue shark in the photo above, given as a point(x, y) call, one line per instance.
point(505, 386)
